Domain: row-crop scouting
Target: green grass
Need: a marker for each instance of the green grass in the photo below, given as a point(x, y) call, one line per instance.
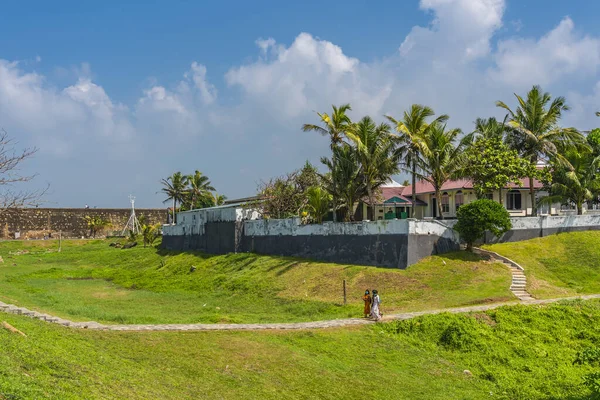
point(89, 280)
point(519, 352)
point(559, 265)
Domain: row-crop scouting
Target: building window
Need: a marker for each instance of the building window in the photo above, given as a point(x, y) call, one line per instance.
point(513, 200)
point(459, 199)
point(489, 196)
point(445, 202)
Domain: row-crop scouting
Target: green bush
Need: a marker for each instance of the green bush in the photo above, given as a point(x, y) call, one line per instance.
point(482, 215)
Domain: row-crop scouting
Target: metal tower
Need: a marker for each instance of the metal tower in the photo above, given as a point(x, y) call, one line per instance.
point(132, 223)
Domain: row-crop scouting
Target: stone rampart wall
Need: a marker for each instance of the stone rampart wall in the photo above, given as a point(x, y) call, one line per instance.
point(39, 222)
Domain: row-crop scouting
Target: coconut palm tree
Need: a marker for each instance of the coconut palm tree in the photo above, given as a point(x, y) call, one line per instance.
point(577, 181)
point(377, 155)
point(490, 128)
point(199, 191)
point(218, 199)
point(175, 189)
point(318, 203)
point(535, 132)
point(443, 156)
point(411, 131)
point(344, 177)
point(334, 127)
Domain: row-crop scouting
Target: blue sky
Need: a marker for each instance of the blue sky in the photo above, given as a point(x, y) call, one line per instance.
point(117, 96)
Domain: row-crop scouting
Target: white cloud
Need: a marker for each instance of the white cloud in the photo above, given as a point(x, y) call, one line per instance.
point(309, 74)
point(561, 52)
point(461, 30)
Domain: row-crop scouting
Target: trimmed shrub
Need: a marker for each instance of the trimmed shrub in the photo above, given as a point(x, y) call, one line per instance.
point(482, 215)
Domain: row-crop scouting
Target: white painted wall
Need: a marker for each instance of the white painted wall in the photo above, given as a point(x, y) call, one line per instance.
point(193, 222)
point(292, 227)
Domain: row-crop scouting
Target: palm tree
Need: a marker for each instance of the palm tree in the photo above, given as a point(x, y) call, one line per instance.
point(199, 191)
point(411, 131)
point(344, 177)
point(218, 199)
point(318, 200)
point(535, 133)
point(490, 128)
point(442, 157)
point(335, 127)
point(597, 113)
point(377, 155)
point(175, 189)
point(576, 182)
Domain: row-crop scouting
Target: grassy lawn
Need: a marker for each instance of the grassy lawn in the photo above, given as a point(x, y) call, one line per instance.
point(513, 353)
point(89, 280)
point(558, 265)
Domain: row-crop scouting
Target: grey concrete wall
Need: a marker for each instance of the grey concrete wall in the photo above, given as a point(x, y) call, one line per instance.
point(533, 227)
point(392, 243)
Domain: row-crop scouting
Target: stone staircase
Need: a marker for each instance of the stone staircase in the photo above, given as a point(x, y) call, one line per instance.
point(518, 286)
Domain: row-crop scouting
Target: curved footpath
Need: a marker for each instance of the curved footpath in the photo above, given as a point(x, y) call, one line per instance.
point(8, 308)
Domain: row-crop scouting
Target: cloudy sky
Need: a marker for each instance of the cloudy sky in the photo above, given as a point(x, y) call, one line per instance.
point(117, 96)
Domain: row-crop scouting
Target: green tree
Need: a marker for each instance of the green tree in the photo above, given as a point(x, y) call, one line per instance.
point(96, 224)
point(405, 183)
point(335, 127)
point(319, 203)
point(443, 155)
point(492, 165)
point(218, 199)
point(490, 128)
point(344, 178)
point(174, 187)
point(479, 216)
point(198, 194)
point(412, 129)
point(286, 196)
point(575, 181)
point(377, 155)
point(535, 132)
point(593, 140)
point(150, 233)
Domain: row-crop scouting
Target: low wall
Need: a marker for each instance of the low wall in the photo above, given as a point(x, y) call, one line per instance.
point(532, 227)
point(36, 222)
point(388, 243)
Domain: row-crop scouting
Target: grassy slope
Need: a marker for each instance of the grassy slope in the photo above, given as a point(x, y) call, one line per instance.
point(230, 288)
point(513, 353)
point(558, 265)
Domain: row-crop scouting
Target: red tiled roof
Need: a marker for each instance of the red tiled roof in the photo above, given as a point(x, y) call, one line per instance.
point(426, 187)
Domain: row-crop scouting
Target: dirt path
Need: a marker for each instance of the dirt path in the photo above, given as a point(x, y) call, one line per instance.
point(8, 308)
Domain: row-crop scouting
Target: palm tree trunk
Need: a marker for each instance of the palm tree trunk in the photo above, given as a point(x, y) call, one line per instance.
point(438, 196)
point(333, 183)
point(370, 194)
point(579, 208)
point(532, 194)
point(174, 203)
point(414, 188)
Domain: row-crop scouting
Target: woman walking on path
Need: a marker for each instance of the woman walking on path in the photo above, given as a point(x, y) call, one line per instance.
point(375, 313)
point(367, 299)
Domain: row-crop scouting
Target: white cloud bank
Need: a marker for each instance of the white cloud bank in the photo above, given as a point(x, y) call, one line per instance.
point(455, 64)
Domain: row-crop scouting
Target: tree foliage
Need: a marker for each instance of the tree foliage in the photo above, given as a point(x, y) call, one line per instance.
point(491, 165)
point(343, 180)
point(443, 155)
point(535, 132)
point(96, 224)
point(334, 127)
point(412, 129)
point(575, 179)
point(286, 196)
point(479, 216)
point(377, 155)
point(318, 203)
